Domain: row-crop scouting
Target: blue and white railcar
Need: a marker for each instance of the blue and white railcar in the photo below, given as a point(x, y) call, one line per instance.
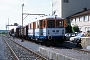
point(50, 30)
point(31, 30)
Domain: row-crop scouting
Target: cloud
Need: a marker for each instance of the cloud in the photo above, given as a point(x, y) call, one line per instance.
point(10, 1)
point(3, 7)
point(13, 1)
point(11, 4)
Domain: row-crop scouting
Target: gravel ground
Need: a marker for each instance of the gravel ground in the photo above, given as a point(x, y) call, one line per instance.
point(68, 52)
point(21, 53)
point(5, 53)
point(30, 45)
point(1, 49)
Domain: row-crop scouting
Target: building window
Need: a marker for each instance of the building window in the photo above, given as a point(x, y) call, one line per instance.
point(86, 18)
point(73, 20)
point(87, 29)
point(66, 1)
point(80, 29)
point(77, 19)
point(81, 19)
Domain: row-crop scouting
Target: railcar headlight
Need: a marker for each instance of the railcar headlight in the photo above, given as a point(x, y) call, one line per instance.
point(50, 37)
point(63, 31)
point(48, 31)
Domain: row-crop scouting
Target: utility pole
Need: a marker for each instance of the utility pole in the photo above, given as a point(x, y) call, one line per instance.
point(22, 23)
point(8, 27)
point(8, 23)
point(52, 7)
point(24, 18)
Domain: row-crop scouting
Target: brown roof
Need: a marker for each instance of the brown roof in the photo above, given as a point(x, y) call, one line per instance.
point(80, 13)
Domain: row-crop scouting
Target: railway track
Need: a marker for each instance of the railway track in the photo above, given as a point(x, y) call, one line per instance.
point(64, 47)
point(22, 53)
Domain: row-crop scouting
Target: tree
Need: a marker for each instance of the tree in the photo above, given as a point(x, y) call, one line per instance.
point(3, 33)
point(68, 29)
point(75, 28)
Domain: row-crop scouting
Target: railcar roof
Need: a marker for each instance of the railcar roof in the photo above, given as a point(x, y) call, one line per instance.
point(49, 17)
point(18, 26)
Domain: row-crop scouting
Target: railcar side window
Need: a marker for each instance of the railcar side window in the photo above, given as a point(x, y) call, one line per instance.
point(57, 30)
point(59, 23)
point(29, 26)
point(44, 23)
point(51, 23)
point(53, 31)
point(40, 22)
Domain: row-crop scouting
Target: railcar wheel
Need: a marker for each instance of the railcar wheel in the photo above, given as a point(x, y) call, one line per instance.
point(44, 42)
point(60, 41)
point(50, 43)
point(36, 40)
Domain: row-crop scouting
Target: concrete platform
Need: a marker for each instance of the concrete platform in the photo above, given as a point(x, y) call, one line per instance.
point(54, 55)
point(85, 42)
point(63, 54)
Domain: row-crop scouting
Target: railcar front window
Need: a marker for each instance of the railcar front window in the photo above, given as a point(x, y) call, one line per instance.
point(51, 23)
point(59, 23)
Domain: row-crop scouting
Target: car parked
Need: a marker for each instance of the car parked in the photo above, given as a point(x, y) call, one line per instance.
point(68, 35)
point(77, 39)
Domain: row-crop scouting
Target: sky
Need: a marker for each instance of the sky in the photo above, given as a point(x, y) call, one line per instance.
point(11, 11)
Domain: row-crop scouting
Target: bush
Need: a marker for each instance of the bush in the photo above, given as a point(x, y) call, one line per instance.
point(75, 28)
point(4, 33)
point(69, 29)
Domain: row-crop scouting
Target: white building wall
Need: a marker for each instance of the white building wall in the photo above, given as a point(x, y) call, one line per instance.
point(66, 9)
point(84, 25)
